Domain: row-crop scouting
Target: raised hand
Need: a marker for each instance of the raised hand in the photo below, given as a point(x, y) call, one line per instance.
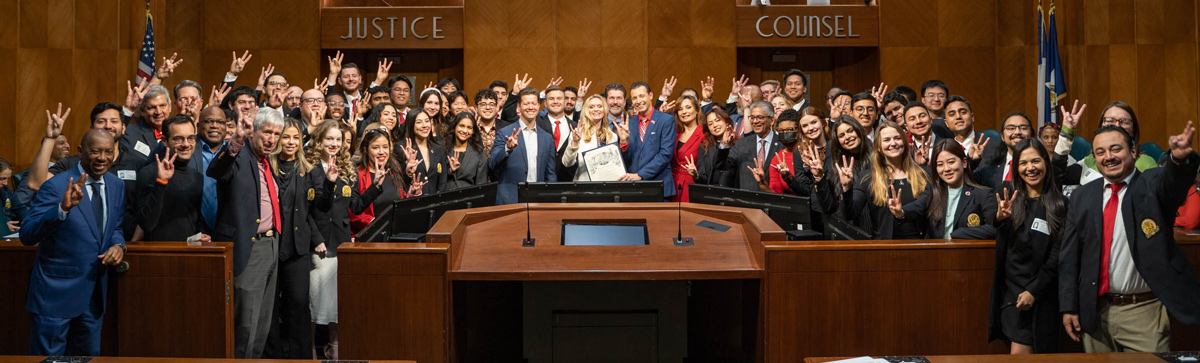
point(381, 75)
point(738, 84)
point(816, 164)
point(320, 85)
point(218, 95)
point(54, 123)
point(668, 87)
point(379, 173)
point(744, 101)
point(727, 138)
point(623, 129)
point(521, 83)
point(576, 136)
point(690, 166)
point(331, 172)
point(429, 85)
point(879, 92)
point(74, 193)
point(555, 82)
point(245, 123)
point(166, 164)
point(759, 175)
point(706, 89)
point(846, 172)
point(1071, 119)
point(1004, 204)
point(836, 111)
point(453, 161)
point(894, 205)
point(262, 76)
point(784, 171)
point(511, 141)
point(238, 64)
point(668, 107)
point(977, 147)
point(279, 97)
point(410, 157)
point(192, 108)
point(335, 65)
point(921, 154)
point(136, 93)
point(583, 88)
point(1181, 145)
point(417, 186)
point(364, 106)
point(168, 67)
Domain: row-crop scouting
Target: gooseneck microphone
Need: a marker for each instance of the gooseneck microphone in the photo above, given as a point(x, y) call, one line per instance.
point(528, 241)
point(680, 240)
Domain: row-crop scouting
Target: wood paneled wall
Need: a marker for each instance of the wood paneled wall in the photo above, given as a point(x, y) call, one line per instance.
point(1143, 52)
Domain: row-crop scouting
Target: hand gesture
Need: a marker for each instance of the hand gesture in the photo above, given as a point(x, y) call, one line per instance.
point(846, 172)
point(759, 175)
point(134, 98)
point(54, 123)
point(521, 83)
point(738, 84)
point(668, 107)
point(364, 106)
point(744, 101)
point(1181, 145)
point(690, 166)
point(576, 136)
point(410, 158)
point(706, 89)
point(511, 141)
point(816, 163)
point(429, 85)
point(894, 205)
point(555, 82)
point(583, 88)
point(668, 87)
point(318, 115)
point(218, 95)
point(335, 65)
point(262, 76)
point(1025, 300)
point(168, 67)
point(166, 164)
point(784, 171)
point(331, 171)
point(921, 152)
point(453, 161)
point(836, 111)
point(379, 173)
point(320, 85)
point(977, 147)
point(278, 98)
point(245, 123)
point(417, 186)
point(238, 64)
point(381, 75)
point(623, 129)
point(1004, 205)
point(1071, 119)
point(74, 193)
point(727, 138)
point(879, 92)
point(112, 256)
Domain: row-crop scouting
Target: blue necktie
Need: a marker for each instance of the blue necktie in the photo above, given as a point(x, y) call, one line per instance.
point(98, 206)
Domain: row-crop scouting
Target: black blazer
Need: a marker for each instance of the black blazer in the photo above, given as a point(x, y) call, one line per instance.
point(804, 183)
point(1151, 200)
point(991, 173)
point(712, 169)
point(742, 156)
point(562, 172)
point(332, 208)
point(299, 233)
point(508, 111)
point(1047, 323)
point(438, 171)
point(137, 132)
point(972, 219)
point(858, 200)
point(472, 169)
point(237, 201)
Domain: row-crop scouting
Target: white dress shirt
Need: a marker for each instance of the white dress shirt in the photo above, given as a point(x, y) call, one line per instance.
point(1123, 276)
point(529, 138)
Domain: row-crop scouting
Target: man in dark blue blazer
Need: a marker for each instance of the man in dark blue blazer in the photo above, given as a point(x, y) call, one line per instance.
point(75, 220)
point(248, 215)
point(650, 144)
point(1120, 269)
point(512, 157)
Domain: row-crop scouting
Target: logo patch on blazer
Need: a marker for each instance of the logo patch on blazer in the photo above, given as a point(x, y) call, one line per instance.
point(346, 191)
point(1149, 227)
point(439, 168)
point(7, 203)
point(973, 220)
point(311, 194)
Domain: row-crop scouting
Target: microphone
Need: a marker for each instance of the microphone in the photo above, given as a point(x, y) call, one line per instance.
point(680, 240)
point(528, 241)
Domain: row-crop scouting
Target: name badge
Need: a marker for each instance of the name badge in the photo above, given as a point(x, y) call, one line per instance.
point(1040, 225)
point(142, 148)
point(128, 175)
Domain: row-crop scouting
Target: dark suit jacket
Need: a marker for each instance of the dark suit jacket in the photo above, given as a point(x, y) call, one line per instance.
point(436, 176)
point(977, 202)
point(563, 172)
point(333, 207)
point(237, 201)
point(1047, 323)
point(299, 234)
point(512, 167)
point(66, 270)
point(858, 200)
point(742, 156)
point(472, 169)
point(712, 169)
point(991, 173)
point(1149, 209)
point(651, 158)
point(137, 132)
point(508, 111)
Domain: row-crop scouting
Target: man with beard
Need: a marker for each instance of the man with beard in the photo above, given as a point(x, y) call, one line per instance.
point(213, 130)
point(997, 169)
point(75, 221)
point(155, 108)
point(293, 98)
point(169, 207)
point(614, 98)
point(311, 111)
point(922, 132)
point(348, 77)
point(760, 145)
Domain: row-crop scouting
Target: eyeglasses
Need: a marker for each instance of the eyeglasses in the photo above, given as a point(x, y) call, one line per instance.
point(316, 100)
point(758, 117)
point(1124, 122)
point(487, 105)
point(936, 96)
point(336, 104)
point(861, 109)
point(1017, 127)
point(183, 139)
point(277, 83)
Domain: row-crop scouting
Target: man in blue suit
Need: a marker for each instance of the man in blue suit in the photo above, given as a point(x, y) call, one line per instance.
point(512, 157)
point(650, 143)
point(75, 220)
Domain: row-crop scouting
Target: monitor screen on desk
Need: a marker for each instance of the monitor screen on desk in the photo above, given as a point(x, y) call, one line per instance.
point(604, 234)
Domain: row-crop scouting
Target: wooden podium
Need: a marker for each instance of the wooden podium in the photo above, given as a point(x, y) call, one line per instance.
point(174, 301)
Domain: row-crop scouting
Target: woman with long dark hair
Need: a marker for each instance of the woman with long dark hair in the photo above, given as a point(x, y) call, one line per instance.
point(1029, 223)
point(892, 172)
point(849, 144)
point(956, 206)
point(468, 158)
point(383, 113)
point(689, 134)
point(376, 167)
point(423, 157)
point(707, 168)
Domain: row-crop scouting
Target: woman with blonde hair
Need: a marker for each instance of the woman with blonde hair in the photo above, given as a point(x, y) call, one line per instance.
point(892, 172)
point(592, 132)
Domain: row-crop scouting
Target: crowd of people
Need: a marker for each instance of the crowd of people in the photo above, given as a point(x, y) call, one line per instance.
point(167, 165)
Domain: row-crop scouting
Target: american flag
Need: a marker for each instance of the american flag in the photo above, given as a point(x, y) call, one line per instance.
point(146, 60)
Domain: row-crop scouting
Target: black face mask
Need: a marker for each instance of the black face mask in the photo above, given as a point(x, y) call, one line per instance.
point(787, 138)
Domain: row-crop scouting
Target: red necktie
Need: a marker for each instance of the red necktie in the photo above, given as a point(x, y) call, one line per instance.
point(158, 134)
point(1110, 217)
point(642, 123)
point(556, 134)
point(266, 168)
point(1008, 175)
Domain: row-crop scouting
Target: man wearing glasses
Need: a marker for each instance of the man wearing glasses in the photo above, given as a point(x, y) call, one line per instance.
point(312, 111)
point(169, 207)
point(1115, 114)
point(755, 149)
point(934, 94)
